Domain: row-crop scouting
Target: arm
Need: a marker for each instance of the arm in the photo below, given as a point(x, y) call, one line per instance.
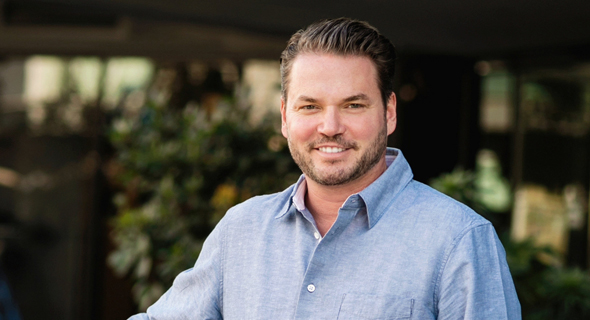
point(196, 292)
point(475, 283)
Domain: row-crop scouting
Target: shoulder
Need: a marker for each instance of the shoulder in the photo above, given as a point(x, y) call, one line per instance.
point(258, 208)
point(442, 213)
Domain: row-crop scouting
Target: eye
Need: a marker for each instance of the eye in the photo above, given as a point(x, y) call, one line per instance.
point(355, 106)
point(308, 107)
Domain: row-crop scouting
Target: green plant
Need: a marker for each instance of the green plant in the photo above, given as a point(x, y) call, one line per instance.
point(547, 292)
point(178, 173)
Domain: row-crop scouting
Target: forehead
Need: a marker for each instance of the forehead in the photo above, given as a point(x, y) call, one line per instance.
point(327, 74)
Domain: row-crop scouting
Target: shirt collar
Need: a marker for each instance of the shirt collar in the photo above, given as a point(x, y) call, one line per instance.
point(288, 206)
point(299, 195)
point(377, 196)
point(380, 194)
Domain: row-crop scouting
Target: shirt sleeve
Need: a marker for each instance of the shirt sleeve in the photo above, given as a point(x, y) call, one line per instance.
point(196, 292)
point(475, 282)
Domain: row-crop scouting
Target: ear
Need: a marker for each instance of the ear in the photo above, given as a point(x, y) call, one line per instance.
point(284, 118)
point(391, 114)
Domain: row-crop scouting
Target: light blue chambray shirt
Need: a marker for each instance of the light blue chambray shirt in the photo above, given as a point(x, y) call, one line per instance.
point(398, 250)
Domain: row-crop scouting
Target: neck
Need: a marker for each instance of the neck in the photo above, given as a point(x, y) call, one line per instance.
point(324, 201)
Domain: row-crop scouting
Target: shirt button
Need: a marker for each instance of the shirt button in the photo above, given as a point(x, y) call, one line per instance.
point(311, 288)
point(316, 235)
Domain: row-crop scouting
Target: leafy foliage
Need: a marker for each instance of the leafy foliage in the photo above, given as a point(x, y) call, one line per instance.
point(178, 173)
point(546, 291)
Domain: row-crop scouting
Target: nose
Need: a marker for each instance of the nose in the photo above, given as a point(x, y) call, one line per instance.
point(331, 123)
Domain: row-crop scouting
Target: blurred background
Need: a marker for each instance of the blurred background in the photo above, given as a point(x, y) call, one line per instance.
point(128, 127)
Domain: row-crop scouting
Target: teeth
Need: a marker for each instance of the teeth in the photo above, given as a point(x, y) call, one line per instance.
point(331, 149)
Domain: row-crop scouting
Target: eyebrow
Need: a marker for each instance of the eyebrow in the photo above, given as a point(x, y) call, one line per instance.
point(307, 99)
point(356, 97)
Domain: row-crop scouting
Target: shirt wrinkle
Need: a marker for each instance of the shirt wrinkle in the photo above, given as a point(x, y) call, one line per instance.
point(452, 246)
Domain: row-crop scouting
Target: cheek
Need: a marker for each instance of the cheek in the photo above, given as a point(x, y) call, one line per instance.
point(300, 128)
point(365, 128)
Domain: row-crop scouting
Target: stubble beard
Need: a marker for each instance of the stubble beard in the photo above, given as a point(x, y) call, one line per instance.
point(344, 175)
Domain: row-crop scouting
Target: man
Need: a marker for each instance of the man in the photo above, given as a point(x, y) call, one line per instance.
point(355, 237)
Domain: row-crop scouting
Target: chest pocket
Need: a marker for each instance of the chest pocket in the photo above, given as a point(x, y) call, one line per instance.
point(375, 307)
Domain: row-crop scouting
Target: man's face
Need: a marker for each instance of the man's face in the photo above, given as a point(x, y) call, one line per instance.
point(334, 118)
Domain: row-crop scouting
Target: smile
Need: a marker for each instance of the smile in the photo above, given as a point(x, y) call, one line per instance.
point(331, 149)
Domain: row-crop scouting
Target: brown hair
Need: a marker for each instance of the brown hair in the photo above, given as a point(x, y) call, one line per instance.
point(343, 36)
